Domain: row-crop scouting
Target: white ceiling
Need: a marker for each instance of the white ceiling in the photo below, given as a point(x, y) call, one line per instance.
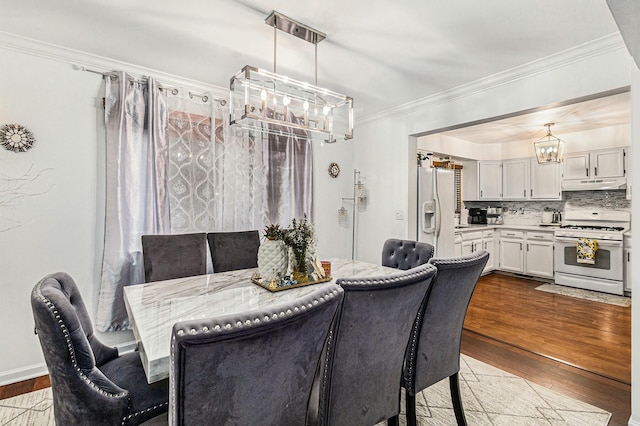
point(382, 53)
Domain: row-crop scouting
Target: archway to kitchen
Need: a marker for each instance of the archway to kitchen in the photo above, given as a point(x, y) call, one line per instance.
point(596, 123)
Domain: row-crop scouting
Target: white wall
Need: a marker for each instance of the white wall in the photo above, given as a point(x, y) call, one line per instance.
point(57, 229)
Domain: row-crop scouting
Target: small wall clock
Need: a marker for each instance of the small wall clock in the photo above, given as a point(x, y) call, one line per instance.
point(334, 170)
point(16, 138)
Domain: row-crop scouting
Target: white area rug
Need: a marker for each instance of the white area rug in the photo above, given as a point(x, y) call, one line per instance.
point(490, 397)
point(594, 296)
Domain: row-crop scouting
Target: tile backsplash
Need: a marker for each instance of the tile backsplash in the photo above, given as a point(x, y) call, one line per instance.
point(530, 212)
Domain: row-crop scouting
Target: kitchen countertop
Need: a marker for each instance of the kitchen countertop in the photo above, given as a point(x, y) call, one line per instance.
point(471, 228)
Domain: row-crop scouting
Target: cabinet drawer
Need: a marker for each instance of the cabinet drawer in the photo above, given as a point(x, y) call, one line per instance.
point(540, 236)
point(488, 233)
point(468, 236)
point(507, 233)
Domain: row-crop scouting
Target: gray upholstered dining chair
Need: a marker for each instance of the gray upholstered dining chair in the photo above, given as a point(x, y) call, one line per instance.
point(231, 251)
point(359, 379)
point(405, 254)
point(174, 256)
point(254, 368)
point(91, 383)
point(436, 334)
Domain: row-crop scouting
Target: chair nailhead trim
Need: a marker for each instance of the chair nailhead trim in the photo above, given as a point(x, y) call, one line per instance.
point(146, 410)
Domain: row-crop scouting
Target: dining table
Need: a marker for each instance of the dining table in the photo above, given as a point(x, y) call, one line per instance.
point(155, 307)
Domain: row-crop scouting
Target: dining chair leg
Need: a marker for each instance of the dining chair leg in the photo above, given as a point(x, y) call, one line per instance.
point(454, 385)
point(410, 409)
point(393, 421)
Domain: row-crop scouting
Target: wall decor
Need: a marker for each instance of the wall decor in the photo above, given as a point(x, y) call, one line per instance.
point(334, 170)
point(16, 138)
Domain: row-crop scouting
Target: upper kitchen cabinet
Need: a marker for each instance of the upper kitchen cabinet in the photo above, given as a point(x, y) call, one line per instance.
point(515, 179)
point(545, 181)
point(490, 180)
point(607, 163)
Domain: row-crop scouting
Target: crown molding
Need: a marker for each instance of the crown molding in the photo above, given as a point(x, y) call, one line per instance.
point(597, 47)
point(83, 61)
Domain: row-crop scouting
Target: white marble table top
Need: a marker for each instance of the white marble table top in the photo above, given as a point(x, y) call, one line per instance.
point(155, 307)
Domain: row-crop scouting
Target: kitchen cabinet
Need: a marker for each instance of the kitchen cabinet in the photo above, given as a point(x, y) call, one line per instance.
point(490, 180)
point(539, 254)
point(488, 244)
point(529, 252)
point(546, 180)
point(511, 251)
point(608, 163)
point(457, 242)
point(515, 179)
point(471, 242)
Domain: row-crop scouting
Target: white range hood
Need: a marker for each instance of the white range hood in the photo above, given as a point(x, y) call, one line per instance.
point(594, 184)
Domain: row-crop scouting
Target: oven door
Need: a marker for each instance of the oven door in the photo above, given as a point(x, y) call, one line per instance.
point(608, 259)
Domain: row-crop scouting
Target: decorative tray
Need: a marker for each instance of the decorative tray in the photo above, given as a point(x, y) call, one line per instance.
point(275, 287)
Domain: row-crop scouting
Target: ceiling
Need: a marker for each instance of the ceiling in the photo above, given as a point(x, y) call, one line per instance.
point(603, 112)
point(381, 53)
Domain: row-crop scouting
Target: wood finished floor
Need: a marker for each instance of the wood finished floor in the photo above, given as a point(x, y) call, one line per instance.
point(512, 326)
point(553, 341)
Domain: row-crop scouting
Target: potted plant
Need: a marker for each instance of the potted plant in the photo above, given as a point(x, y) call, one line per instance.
point(272, 254)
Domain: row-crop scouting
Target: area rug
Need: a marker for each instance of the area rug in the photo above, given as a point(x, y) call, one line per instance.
point(490, 397)
point(593, 296)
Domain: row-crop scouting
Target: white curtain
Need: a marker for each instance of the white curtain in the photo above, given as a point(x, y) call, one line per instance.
point(174, 165)
point(137, 200)
point(216, 173)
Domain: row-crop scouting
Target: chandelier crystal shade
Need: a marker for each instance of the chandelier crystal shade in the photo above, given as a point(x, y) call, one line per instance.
point(549, 148)
point(267, 102)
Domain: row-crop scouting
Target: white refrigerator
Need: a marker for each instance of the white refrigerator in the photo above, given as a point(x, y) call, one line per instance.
point(436, 209)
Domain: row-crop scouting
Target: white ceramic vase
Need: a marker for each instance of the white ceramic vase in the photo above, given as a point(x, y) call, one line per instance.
point(272, 259)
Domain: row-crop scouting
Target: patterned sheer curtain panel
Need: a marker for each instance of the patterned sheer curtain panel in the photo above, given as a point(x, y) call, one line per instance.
point(288, 158)
point(216, 173)
point(137, 200)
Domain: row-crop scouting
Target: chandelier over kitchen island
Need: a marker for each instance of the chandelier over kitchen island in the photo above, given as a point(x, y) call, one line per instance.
point(267, 102)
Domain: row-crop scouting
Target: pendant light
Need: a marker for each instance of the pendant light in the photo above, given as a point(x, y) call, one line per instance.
point(549, 148)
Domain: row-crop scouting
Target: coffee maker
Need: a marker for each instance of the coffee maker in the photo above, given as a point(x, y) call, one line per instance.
point(477, 216)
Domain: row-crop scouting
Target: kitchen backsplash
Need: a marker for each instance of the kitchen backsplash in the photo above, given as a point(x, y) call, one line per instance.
point(530, 212)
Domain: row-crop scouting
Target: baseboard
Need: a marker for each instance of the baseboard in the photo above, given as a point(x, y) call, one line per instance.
point(632, 422)
point(23, 373)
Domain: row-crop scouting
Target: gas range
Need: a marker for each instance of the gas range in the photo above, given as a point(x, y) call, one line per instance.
point(598, 225)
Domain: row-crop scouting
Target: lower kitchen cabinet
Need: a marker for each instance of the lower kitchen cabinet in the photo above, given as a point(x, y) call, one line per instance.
point(527, 252)
point(488, 244)
point(471, 242)
point(511, 254)
point(627, 264)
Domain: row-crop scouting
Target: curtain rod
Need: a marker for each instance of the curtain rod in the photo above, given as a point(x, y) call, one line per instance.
point(171, 89)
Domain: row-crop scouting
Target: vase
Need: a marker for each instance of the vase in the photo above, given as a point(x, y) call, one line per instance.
point(300, 272)
point(272, 259)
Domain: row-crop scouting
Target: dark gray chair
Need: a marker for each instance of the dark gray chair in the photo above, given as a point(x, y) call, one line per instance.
point(231, 251)
point(359, 380)
point(174, 256)
point(405, 254)
point(90, 382)
point(255, 368)
point(436, 334)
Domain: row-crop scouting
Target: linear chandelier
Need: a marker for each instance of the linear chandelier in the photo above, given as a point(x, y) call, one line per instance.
point(549, 148)
point(267, 102)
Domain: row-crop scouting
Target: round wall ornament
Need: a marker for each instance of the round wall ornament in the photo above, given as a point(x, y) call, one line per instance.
point(16, 138)
point(334, 170)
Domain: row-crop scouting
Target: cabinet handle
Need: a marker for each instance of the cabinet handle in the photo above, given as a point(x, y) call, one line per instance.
point(531, 192)
point(481, 192)
point(595, 171)
point(527, 246)
point(587, 169)
point(485, 246)
point(524, 193)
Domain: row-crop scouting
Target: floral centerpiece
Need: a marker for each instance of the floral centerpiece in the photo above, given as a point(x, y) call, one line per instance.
point(300, 240)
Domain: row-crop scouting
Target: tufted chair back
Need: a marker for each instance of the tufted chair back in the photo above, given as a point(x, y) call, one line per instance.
point(254, 368)
point(359, 380)
point(231, 251)
point(85, 374)
point(405, 254)
point(436, 335)
point(174, 256)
